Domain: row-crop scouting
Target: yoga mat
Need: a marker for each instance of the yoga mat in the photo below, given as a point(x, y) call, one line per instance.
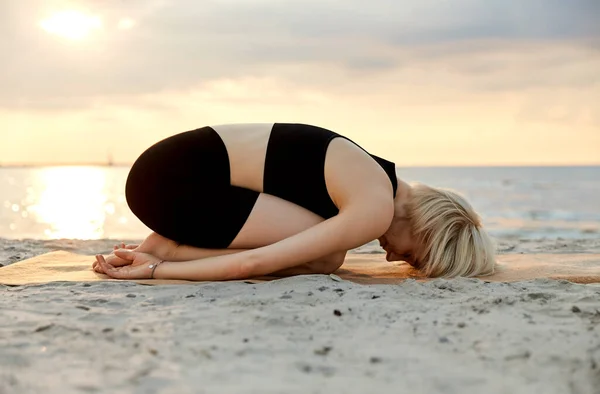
point(359, 268)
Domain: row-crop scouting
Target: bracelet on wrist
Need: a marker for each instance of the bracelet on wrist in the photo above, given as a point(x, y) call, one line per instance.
point(153, 268)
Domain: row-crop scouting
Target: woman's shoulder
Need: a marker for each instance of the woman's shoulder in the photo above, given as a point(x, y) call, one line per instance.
point(351, 172)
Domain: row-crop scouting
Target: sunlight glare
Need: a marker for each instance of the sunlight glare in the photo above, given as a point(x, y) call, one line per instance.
point(72, 203)
point(71, 24)
point(126, 24)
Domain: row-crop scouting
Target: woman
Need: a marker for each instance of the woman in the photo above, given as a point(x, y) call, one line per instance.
point(247, 200)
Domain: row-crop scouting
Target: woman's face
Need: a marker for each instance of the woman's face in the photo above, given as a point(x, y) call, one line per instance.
point(398, 242)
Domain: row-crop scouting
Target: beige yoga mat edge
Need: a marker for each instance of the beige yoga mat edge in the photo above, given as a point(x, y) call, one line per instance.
point(61, 266)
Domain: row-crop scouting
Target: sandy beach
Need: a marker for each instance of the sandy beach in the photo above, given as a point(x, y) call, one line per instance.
point(307, 334)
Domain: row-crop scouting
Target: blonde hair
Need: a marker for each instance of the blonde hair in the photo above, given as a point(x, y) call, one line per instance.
point(448, 232)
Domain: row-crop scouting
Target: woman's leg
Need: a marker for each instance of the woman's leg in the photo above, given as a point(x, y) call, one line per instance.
point(271, 220)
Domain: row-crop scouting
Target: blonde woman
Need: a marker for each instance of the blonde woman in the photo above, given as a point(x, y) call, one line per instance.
point(245, 200)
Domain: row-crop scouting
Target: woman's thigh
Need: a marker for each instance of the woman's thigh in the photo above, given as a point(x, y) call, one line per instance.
point(271, 220)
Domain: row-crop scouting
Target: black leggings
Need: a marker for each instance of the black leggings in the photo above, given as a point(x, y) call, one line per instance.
point(180, 188)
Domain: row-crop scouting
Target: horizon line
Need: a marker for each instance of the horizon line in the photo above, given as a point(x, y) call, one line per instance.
point(127, 165)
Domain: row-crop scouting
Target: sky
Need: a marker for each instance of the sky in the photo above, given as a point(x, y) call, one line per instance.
point(419, 82)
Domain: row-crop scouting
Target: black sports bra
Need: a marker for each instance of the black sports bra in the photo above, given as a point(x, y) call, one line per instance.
point(295, 163)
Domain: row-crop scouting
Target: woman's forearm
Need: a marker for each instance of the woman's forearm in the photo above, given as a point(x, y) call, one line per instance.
point(225, 267)
point(187, 253)
point(326, 238)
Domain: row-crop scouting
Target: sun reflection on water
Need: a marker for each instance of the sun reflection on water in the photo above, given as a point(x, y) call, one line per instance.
point(72, 202)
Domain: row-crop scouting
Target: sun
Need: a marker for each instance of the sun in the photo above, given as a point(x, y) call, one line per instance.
point(71, 24)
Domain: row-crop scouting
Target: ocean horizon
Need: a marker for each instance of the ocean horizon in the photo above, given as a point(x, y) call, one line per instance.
point(88, 201)
point(128, 165)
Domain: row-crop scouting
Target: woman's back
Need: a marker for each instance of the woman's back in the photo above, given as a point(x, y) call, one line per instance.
point(295, 162)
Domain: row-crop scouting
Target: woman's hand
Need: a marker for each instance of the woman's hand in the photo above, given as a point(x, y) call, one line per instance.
point(114, 260)
point(154, 244)
point(140, 265)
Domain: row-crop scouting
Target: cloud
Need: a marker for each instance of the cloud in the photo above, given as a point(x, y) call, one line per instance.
point(466, 44)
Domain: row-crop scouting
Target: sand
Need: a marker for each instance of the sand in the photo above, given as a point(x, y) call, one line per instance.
point(307, 334)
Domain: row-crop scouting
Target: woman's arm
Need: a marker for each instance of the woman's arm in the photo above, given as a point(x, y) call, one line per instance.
point(358, 223)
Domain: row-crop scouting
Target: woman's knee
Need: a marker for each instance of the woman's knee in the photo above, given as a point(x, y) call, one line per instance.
point(330, 263)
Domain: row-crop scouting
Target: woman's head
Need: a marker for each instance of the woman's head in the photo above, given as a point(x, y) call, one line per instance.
point(437, 231)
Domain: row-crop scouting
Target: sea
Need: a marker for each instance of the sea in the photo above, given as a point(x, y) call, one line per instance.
point(88, 202)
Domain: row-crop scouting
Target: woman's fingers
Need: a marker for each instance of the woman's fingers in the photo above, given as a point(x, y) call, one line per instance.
point(119, 258)
point(107, 268)
point(122, 245)
point(96, 267)
point(116, 261)
point(125, 254)
point(102, 266)
point(127, 272)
